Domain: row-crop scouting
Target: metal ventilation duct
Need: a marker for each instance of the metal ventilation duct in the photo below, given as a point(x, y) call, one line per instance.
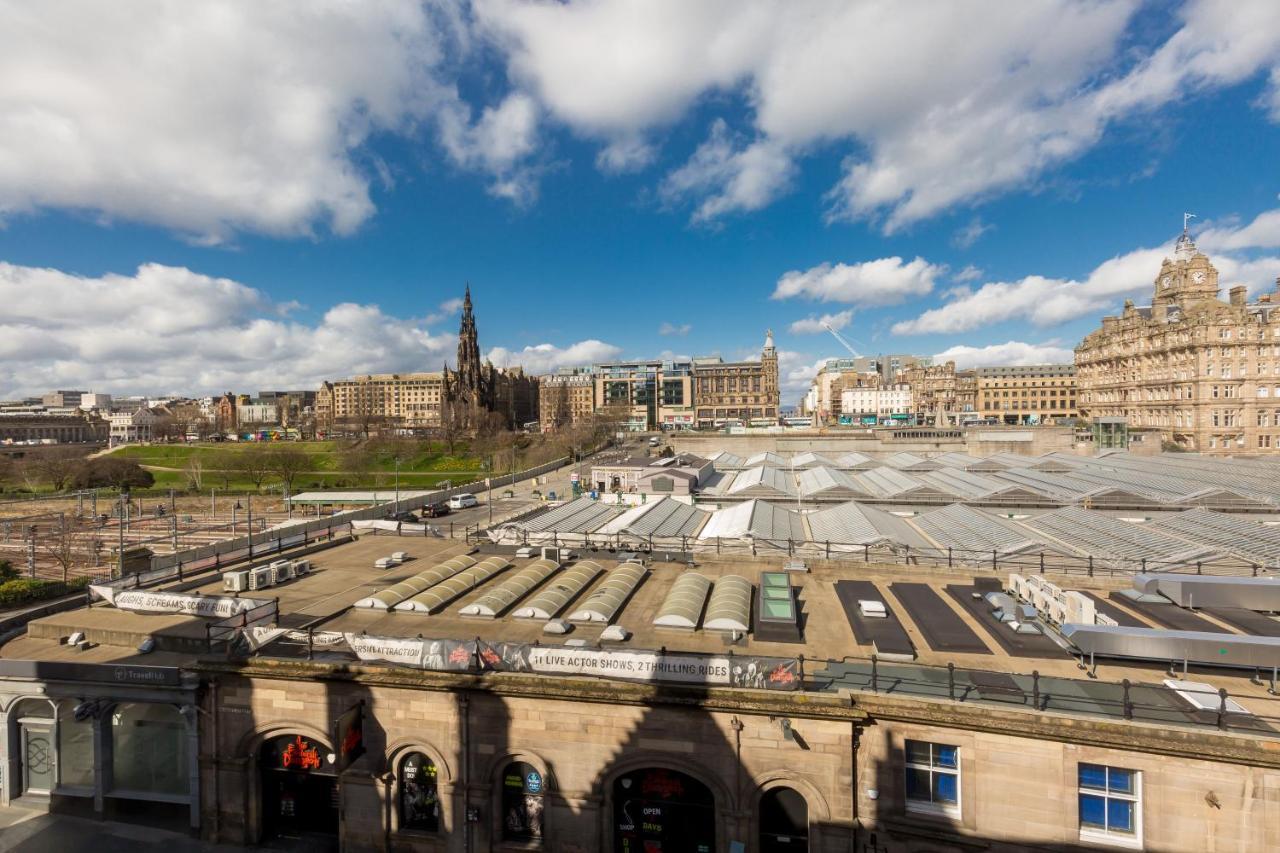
point(1196, 647)
point(1262, 594)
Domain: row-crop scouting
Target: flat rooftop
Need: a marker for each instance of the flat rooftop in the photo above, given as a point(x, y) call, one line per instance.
point(936, 610)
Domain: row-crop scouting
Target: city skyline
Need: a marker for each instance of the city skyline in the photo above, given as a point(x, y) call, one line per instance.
point(689, 212)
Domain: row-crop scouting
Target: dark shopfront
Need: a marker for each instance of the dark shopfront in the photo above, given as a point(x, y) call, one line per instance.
point(299, 792)
point(656, 810)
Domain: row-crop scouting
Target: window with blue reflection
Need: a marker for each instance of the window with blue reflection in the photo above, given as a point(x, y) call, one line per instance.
point(1109, 801)
point(932, 776)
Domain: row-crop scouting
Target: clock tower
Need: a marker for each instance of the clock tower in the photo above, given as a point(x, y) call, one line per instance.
point(1186, 278)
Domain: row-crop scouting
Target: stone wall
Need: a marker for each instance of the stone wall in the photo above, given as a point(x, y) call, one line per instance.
point(1201, 791)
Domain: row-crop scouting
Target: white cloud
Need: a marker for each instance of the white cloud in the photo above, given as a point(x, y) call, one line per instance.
point(498, 143)
point(1008, 353)
point(818, 325)
point(1046, 301)
point(940, 104)
point(730, 175)
point(969, 273)
point(672, 330)
point(168, 329)
point(795, 374)
point(546, 358)
point(208, 118)
point(968, 234)
point(886, 281)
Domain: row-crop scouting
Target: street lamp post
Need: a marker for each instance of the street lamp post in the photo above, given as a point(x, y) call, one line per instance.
point(397, 485)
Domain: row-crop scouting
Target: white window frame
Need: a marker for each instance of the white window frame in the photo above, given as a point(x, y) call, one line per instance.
point(1132, 840)
point(951, 810)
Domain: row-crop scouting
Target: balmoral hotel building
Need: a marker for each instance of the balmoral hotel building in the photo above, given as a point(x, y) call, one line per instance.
point(1204, 372)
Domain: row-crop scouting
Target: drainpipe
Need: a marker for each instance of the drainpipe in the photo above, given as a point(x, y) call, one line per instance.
point(465, 779)
point(217, 770)
point(856, 736)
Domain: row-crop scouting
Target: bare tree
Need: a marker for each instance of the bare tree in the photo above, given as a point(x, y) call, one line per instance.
point(225, 464)
point(358, 461)
point(451, 420)
point(254, 463)
point(194, 472)
point(58, 543)
point(56, 466)
point(287, 463)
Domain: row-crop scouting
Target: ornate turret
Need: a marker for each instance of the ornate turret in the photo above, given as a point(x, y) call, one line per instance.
point(1187, 277)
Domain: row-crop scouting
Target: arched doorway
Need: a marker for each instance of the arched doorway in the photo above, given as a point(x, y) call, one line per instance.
point(656, 810)
point(299, 791)
point(37, 758)
point(784, 821)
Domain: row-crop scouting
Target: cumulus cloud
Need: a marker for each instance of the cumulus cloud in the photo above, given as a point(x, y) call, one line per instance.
point(499, 143)
point(795, 374)
point(1031, 86)
point(207, 119)
point(1007, 353)
point(818, 325)
point(169, 329)
point(886, 281)
point(1048, 301)
point(673, 330)
point(546, 358)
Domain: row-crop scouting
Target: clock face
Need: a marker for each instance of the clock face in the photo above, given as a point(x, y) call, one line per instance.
point(1164, 282)
point(1198, 276)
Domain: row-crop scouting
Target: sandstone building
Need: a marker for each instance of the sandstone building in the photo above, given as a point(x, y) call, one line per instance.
point(746, 391)
point(1203, 372)
point(1027, 394)
point(942, 395)
point(566, 399)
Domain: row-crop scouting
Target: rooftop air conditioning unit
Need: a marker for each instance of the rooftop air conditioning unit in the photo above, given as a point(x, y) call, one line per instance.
point(550, 553)
point(281, 571)
point(235, 581)
point(301, 567)
point(872, 609)
point(261, 577)
point(399, 556)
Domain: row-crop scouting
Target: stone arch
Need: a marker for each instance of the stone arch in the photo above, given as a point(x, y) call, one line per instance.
point(819, 814)
point(397, 752)
point(251, 743)
point(726, 803)
point(494, 779)
point(249, 748)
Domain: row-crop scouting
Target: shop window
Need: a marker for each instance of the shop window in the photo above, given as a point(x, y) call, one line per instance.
point(660, 809)
point(784, 822)
point(75, 749)
point(149, 749)
point(419, 795)
point(522, 803)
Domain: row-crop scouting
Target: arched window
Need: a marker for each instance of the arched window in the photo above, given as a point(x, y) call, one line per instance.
point(419, 797)
point(522, 804)
point(784, 821)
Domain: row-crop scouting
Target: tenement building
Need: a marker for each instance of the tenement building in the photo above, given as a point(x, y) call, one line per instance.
point(424, 708)
point(411, 400)
point(1027, 394)
point(942, 395)
point(740, 391)
point(566, 399)
point(1204, 372)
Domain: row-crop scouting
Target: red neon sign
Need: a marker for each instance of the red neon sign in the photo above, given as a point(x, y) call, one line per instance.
point(300, 755)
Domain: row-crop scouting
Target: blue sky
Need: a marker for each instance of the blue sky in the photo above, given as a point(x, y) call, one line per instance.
point(242, 198)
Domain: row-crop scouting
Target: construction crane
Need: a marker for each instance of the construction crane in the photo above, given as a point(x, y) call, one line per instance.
point(841, 339)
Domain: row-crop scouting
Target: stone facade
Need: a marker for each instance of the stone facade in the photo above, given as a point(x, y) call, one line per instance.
point(364, 402)
point(942, 395)
point(1204, 372)
point(847, 760)
point(566, 400)
point(473, 391)
point(738, 391)
point(1030, 394)
point(63, 429)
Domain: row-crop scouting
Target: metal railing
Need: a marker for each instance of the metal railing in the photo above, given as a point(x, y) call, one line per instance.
point(1023, 561)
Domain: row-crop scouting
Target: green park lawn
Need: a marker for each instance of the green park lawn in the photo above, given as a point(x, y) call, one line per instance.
point(422, 465)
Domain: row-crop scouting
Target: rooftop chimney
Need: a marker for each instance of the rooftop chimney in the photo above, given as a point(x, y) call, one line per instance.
point(1238, 294)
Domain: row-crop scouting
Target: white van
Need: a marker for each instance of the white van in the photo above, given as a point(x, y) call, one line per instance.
point(463, 501)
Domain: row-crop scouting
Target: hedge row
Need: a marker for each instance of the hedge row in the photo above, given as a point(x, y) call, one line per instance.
point(27, 590)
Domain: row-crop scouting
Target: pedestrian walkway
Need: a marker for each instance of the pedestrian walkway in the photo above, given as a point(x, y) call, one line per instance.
point(26, 831)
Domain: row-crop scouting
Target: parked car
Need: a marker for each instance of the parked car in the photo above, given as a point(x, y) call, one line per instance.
point(435, 510)
point(406, 517)
point(463, 501)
